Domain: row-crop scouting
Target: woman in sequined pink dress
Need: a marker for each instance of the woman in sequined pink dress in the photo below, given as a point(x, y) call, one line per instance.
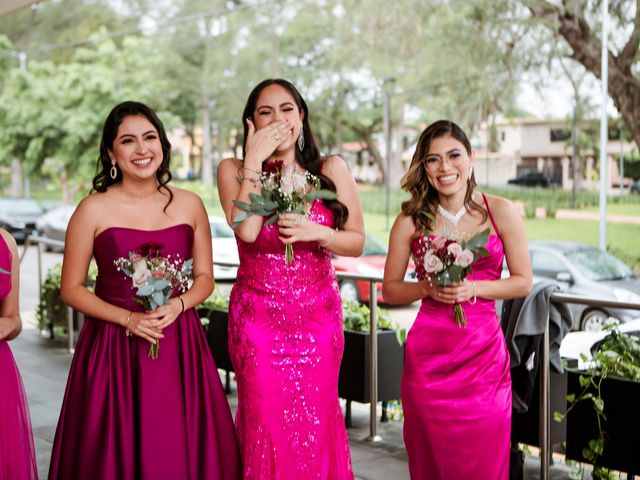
point(456, 386)
point(285, 320)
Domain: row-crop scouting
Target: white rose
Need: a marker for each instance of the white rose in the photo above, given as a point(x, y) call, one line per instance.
point(140, 271)
point(299, 181)
point(286, 185)
point(464, 259)
point(454, 249)
point(432, 264)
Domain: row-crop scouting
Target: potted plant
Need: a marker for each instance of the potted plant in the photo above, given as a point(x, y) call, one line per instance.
point(214, 315)
point(602, 414)
point(52, 314)
point(354, 379)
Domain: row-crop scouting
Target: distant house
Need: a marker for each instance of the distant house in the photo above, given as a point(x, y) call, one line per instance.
point(533, 145)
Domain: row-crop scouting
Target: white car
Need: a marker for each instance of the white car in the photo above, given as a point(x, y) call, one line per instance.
point(225, 249)
point(576, 344)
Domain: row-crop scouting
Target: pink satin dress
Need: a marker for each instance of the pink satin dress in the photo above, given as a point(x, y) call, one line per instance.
point(286, 343)
point(456, 385)
point(17, 454)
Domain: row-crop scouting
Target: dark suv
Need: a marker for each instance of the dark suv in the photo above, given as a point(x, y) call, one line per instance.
point(531, 179)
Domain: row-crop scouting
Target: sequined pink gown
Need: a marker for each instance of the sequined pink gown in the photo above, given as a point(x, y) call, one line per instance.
point(286, 343)
point(17, 455)
point(456, 385)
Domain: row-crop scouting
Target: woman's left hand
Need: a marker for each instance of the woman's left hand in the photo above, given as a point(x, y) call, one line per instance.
point(456, 293)
point(8, 325)
point(166, 314)
point(295, 227)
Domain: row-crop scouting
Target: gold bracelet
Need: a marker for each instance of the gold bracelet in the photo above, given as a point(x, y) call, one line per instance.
point(126, 325)
point(326, 244)
point(251, 170)
point(182, 303)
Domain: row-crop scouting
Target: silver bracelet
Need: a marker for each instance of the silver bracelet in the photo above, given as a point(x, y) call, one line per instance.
point(474, 294)
point(326, 244)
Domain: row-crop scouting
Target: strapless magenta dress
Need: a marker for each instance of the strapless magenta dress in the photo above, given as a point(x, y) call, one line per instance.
point(286, 343)
point(17, 455)
point(126, 416)
point(456, 386)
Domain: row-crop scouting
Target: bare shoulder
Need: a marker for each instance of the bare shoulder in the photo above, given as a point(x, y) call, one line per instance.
point(502, 208)
point(10, 241)
point(334, 166)
point(230, 164)
point(183, 196)
point(404, 225)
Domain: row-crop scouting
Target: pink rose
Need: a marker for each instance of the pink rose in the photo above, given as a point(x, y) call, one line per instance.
point(464, 259)
point(438, 242)
point(299, 181)
point(140, 271)
point(432, 264)
point(454, 249)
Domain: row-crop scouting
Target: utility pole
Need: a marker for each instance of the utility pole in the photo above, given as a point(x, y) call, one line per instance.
point(574, 156)
point(386, 120)
point(604, 78)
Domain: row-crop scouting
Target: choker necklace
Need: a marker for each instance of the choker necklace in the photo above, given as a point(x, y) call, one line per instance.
point(454, 219)
point(139, 197)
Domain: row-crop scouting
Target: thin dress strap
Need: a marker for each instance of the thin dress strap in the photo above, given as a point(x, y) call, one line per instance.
point(493, 222)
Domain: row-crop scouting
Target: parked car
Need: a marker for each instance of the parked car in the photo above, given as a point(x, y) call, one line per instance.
point(18, 216)
point(585, 270)
point(635, 187)
point(531, 179)
point(53, 225)
point(371, 262)
point(225, 249)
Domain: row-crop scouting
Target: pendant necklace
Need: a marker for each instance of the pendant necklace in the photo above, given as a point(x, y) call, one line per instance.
point(454, 219)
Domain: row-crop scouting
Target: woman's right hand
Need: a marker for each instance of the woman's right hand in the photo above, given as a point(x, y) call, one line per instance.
point(145, 327)
point(262, 143)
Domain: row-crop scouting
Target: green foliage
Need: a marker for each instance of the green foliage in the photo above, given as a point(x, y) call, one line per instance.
point(51, 312)
point(216, 301)
point(617, 356)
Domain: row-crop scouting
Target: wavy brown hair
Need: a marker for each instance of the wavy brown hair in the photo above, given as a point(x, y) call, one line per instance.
point(309, 157)
point(423, 204)
point(102, 181)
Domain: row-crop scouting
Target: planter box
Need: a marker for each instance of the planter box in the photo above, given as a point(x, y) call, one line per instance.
point(218, 337)
point(353, 383)
point(621, 397)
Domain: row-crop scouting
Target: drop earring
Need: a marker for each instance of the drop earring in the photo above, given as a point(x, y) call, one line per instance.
point(301, 138)
point(113, 173)
point(470, 172)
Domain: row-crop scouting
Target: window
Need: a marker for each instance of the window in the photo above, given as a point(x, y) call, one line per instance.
point(546, 265)
point(560, 134)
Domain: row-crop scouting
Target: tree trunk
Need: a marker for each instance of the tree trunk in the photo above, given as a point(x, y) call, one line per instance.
point(16, 178)
point(207, 161)
point(623, 86)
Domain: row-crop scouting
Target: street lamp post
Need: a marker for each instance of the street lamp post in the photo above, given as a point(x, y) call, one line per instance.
point(386, 120)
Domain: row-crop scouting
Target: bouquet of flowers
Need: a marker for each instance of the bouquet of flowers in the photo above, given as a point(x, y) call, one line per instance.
point(155, 278)
point(284, 190)
point(447, 260)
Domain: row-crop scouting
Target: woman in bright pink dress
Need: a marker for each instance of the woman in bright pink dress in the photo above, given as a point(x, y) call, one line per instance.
point(285, 320)
point(17, 455)
point(126, 416)
point(456, 386)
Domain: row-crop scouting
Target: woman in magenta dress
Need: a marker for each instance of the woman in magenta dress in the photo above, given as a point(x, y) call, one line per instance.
point(456, 387)
point(285, 320)
point(125, 415)
point(17, 455)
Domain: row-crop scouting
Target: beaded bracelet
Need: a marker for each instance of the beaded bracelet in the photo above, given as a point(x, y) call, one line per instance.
point(474, 294)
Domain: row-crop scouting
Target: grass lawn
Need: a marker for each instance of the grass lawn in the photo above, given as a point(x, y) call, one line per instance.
point(631, 209)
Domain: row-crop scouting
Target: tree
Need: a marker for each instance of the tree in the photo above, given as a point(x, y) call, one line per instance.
point(574, 21)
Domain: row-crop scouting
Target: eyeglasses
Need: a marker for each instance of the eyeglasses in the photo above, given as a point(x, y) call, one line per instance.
point(432, 162)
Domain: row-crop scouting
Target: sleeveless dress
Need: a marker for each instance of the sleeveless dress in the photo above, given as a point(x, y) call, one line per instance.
point(286, 343)
point(126, 416)
point(17, 454)
point(456, 385)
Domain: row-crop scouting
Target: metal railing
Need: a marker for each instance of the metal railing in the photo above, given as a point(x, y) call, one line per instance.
point(544, 425)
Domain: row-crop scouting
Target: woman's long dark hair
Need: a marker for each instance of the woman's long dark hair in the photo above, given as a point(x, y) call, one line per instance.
point(102, 181)
point(424, 197)
point(309, 157)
